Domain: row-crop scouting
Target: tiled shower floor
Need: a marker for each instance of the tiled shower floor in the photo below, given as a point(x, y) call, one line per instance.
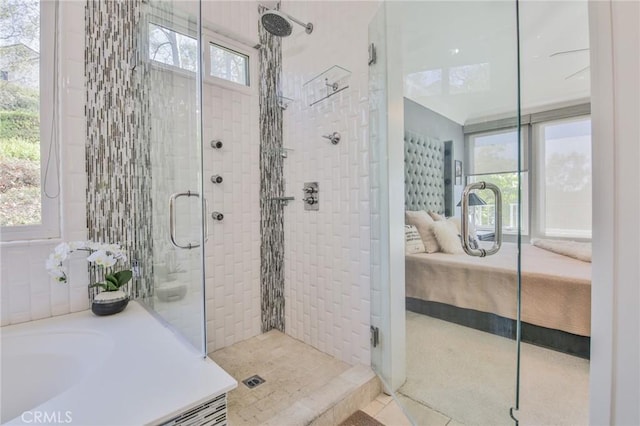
point(293, 372)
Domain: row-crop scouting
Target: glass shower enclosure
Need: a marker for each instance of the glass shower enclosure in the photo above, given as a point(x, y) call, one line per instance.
point(171, 41)
point(453, 59)
point(466, 96)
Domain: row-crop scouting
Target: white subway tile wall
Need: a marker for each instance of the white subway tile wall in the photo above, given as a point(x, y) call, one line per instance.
point(327, 276)
point(327, 256)
point(27, 292)
point(233, 249)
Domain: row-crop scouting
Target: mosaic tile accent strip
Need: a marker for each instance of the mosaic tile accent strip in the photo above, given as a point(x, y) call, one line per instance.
point(271, 183)
point(117, 146)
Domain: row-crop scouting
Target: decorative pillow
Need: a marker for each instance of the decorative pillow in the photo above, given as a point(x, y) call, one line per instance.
point(424, 224)
point(473, 236)
point(435, 216)
point(447, 236)
point(456, 222)
point(412, 240)
point(575, 249)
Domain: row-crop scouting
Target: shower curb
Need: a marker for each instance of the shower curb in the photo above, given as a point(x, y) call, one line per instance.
point(334, 402)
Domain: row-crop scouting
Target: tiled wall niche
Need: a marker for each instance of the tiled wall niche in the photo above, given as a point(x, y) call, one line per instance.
point(327, 258)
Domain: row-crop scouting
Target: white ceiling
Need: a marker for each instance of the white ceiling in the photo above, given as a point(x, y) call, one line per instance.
point(459, 58)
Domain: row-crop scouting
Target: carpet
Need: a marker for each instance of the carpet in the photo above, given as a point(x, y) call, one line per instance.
point(360, 418)
point(470, 376)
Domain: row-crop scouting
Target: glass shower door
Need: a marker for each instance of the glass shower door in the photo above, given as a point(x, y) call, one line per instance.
point(555, 360)
point(172, 41)
point(445, 74)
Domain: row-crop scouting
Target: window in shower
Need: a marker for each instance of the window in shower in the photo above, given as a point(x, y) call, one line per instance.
point(29, 186)
point(228, 64)
point(172, 48)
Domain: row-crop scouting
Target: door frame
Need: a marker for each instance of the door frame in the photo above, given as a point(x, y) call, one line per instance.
point(614, 371)
point(607, 281)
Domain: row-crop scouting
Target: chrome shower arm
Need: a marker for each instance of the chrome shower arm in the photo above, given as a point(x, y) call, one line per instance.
point(302, 24)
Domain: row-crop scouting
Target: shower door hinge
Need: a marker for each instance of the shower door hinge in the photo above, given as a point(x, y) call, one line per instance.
point(375, 336)
point(373, 56)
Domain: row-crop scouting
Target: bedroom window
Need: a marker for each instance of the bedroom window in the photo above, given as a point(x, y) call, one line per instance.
point(564, 177)
point(493, 157)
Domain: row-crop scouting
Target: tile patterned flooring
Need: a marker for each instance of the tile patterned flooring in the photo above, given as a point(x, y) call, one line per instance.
point(300, 383)
point(387, 411)
point(305, 386)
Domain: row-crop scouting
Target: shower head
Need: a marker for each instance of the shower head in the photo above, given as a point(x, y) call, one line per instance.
point(278, 23)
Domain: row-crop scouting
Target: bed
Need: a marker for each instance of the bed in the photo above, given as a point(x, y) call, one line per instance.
point(482, 292)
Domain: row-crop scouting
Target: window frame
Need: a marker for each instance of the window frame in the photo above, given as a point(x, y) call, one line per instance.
point(182, 30)
point(209, 36)
point(539, 183)
point(531, 158)
point(228, 49)
point(526, 218)
point(49, 227)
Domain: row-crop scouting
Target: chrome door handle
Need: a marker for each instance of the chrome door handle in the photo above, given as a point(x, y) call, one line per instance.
point(172, 219)
point(464, 228)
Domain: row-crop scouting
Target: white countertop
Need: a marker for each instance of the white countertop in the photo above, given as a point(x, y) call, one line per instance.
point(149, 375)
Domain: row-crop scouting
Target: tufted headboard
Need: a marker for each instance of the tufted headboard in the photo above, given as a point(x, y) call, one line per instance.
point(423, 173)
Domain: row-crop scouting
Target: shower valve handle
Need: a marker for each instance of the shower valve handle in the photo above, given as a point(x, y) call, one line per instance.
point(217, 216)
point(311, 200)
point(333, 137)
point(216, 179)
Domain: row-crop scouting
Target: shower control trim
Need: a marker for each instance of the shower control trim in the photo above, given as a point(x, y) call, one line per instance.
point(217, 216)
point(333, 137)
point(311, 200)
point(216, 179)
point(216, 144)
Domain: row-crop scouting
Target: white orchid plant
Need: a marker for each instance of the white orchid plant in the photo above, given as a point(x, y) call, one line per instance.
point(103, 255)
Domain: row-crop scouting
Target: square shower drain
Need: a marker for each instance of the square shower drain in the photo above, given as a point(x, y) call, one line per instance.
point(253, 381)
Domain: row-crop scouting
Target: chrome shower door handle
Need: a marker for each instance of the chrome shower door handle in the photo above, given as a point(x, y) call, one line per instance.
point(464, 228)
point(172, 219)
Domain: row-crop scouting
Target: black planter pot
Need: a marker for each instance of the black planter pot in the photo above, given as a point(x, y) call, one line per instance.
point(109, 307)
